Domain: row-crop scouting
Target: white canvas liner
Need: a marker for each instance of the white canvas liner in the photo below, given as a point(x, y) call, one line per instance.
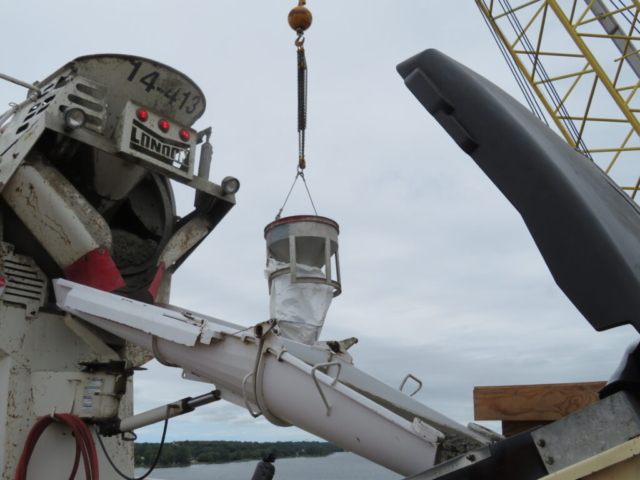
point(300, 308)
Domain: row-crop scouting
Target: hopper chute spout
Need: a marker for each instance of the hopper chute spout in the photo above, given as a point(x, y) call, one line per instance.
point(253, 369)
point(302, 261)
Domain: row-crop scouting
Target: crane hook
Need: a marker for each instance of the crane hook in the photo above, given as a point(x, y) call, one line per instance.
point(300, 18)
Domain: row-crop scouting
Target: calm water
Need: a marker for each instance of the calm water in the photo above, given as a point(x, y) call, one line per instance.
point(338, 466)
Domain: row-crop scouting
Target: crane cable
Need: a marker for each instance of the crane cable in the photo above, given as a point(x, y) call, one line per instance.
point(300, 19)
point(622, 9)
point(548, 85)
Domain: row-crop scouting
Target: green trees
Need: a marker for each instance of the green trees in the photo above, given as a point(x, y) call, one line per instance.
point(184, 453)
point(172, 454)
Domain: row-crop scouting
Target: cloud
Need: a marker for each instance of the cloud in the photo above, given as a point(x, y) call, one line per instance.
point(441, 278)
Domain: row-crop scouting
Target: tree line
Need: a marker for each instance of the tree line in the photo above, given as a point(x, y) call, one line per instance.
point(188, 452)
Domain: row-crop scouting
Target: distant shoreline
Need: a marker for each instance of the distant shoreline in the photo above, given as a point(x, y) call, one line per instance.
point(238, 461)
point(186, 453)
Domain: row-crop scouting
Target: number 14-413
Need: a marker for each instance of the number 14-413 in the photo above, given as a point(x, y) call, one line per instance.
point(149, 81)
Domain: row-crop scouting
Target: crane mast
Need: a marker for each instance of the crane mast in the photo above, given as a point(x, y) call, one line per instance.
point(580, 60)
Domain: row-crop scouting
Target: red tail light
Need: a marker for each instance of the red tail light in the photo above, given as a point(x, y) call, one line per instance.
point(164, 125)
point(185, 135)
point(142, 114)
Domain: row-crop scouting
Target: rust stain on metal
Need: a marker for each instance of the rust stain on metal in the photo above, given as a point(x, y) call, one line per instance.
point(186, 238)
point(190, 234)
point(12, 407)
point(32, 201)
point(60, 232)
point(138, 356)
point(62, 186)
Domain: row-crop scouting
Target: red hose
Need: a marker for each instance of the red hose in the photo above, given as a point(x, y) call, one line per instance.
point(85, 447)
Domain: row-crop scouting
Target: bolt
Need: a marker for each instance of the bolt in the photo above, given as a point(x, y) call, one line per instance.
point(101, 251)
point(549, 460)
point(471, 457)
point(541, 442)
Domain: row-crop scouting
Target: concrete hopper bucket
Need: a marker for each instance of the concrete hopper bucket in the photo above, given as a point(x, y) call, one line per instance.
point(308, 240)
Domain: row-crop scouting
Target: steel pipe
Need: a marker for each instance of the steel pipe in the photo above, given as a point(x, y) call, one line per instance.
point(170, 410)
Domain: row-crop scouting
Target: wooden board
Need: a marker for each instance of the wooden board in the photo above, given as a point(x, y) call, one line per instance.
point(548, 402)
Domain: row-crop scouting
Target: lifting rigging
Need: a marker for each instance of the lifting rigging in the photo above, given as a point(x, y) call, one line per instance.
point(300, 20)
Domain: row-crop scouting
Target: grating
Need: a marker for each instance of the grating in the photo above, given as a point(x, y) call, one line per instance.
point(25, 283)
point(90, 96)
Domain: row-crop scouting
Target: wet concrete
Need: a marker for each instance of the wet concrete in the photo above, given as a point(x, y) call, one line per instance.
point(454, 444)
point(131, 250)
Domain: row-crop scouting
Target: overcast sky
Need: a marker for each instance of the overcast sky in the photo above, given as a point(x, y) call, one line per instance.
point(440, 276)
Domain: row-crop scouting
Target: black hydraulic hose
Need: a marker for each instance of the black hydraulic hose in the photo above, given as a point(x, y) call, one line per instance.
point(155, 461)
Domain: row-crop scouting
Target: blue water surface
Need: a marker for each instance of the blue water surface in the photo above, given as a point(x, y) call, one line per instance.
point(337, 466)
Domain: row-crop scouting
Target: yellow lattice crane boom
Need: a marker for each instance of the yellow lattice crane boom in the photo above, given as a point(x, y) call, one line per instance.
point(580, 60)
